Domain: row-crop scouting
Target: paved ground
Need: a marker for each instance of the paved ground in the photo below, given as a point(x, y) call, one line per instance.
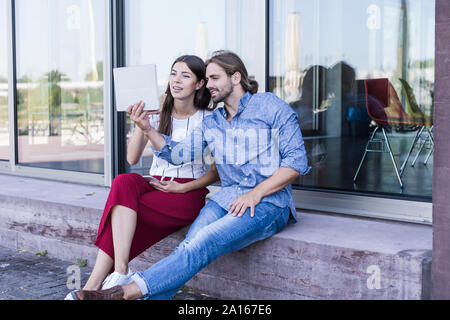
point(33, 276)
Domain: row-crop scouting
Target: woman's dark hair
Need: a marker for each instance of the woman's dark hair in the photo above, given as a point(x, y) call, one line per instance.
point(202, 97)
point(231, 63)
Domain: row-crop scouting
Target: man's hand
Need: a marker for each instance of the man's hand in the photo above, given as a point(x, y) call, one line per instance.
point(169, 186)
point(247, 200)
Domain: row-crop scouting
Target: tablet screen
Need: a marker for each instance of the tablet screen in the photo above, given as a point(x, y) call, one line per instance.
point(134, 84)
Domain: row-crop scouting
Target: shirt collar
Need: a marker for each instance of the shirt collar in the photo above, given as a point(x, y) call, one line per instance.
point(243, 102)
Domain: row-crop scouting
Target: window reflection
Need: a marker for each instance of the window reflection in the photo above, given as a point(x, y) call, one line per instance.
point(4, 130)
point(320, 54)
point(60, 56)
point(197, 27)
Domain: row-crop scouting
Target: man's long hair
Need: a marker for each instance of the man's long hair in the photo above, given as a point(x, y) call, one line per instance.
point(231, 63)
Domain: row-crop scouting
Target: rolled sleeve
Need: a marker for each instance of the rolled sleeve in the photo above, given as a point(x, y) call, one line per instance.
point(166, 151)
point(184, 151)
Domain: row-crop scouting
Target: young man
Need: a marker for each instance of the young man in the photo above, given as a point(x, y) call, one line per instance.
point(258, 149)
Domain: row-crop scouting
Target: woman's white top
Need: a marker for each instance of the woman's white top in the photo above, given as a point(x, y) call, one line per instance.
point(180, 130)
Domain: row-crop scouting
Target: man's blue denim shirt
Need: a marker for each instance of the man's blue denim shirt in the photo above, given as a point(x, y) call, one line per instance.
point(263, 136)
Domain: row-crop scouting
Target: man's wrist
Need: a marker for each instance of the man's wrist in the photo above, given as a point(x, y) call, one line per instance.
point(258, 193)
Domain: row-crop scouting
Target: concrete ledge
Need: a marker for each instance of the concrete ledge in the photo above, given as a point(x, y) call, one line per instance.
point(321, 257)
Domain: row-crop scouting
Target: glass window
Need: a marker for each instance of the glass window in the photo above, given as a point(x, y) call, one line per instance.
point(360, 75)
point(4, 130)
point(60, 56)
point(157, 32)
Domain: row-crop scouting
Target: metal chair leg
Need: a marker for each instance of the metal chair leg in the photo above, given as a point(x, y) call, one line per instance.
point(392, 158)
point(365, 153)
point(418, 152)
point(430, 136)
point(430, 133)
point(428, 157)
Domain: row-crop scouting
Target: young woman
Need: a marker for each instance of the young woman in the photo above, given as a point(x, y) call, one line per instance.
point(140, 212)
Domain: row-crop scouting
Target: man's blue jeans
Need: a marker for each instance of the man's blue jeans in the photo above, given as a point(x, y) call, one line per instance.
point(213, 234)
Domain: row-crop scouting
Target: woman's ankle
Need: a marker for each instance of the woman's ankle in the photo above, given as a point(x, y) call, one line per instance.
point(121, 268)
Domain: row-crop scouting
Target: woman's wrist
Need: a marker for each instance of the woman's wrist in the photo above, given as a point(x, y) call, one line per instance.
point(186, 187)
point(148, 133)
point(156, 139)
point(148, 130)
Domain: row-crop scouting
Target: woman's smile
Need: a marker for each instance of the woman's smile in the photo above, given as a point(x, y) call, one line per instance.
point(177, 89)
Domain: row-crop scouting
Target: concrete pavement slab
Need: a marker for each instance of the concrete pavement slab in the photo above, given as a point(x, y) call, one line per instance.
point(26, 276)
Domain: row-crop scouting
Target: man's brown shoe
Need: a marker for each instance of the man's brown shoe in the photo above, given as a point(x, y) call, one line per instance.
point(114, 293)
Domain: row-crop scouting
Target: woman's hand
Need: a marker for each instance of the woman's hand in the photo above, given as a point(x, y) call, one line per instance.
point(139, 116)
point(169, 186)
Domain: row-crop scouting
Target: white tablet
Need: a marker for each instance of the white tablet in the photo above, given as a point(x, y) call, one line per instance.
point(134, 84)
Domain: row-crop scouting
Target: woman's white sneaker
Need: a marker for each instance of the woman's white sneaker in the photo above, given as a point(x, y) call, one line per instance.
point(71, 295)
point(116, 279)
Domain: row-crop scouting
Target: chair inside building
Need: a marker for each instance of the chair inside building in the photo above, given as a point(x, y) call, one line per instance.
point(426, 125)
point(377, 99)
point(386, 111)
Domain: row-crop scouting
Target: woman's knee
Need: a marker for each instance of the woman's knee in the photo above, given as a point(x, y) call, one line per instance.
point(124, 180)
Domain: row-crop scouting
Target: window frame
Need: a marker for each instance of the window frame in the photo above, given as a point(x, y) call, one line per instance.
point(364, 204)
point(339, 202)
point(12, 166)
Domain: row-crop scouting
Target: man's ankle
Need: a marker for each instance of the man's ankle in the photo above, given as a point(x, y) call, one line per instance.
point(131, 291)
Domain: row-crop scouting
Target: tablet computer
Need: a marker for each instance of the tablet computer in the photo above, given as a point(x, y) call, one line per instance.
point(148, 178)
point(134, 84)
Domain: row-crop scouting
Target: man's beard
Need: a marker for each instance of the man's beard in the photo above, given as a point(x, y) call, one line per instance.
point(220, 97)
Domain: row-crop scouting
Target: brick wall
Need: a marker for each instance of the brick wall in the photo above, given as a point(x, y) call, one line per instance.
point(441, 184)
